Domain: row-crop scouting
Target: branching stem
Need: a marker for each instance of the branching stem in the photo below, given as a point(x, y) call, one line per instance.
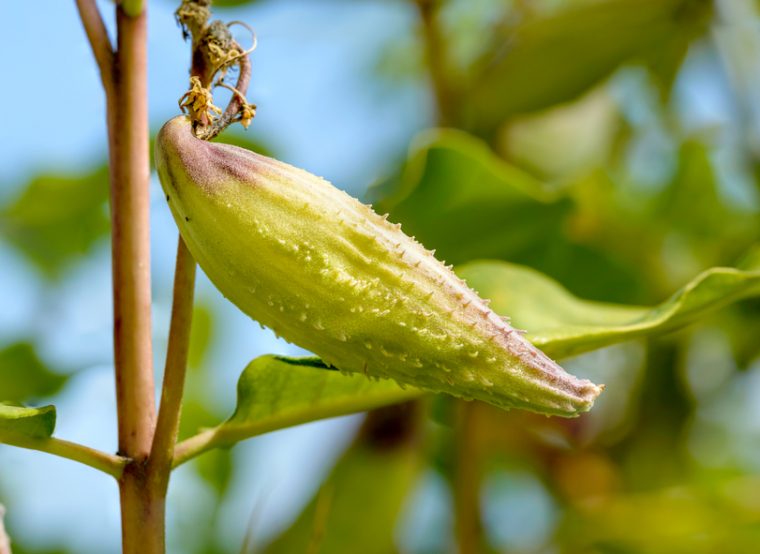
point(100, 44)
point(107, 463)
point(146, 447)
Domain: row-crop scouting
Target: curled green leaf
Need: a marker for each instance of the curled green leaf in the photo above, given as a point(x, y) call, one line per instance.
point(19, 423)
point(564, 325)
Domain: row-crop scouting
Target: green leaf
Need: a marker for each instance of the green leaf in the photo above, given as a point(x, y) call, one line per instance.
point(551, 60)
point(57, 219)
point(17, 422)
point(201, 334)
point(457, 196)
point(24, 376)
point(692, 517)
point(275, 392)
point(563, 325)
point(360, 501)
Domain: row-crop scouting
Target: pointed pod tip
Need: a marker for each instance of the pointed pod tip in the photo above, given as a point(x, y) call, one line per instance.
point(586, 396)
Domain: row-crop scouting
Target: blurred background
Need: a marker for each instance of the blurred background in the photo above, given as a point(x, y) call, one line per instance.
point(636, 123)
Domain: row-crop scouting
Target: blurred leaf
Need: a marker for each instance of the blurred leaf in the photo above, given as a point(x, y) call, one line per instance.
point(457, 196)
point(357, 507)
point(57, 219)
point(697, 207)
point(563, 325)
point(197, 412)
point(215, 468)
point(24, 376)
point(564, 141)
point(17, 422)
point(675, 520)
point(275, 392)
point(550, 60)
point(201, 334)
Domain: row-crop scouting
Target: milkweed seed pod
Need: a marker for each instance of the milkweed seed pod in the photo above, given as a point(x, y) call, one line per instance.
point(327, 273)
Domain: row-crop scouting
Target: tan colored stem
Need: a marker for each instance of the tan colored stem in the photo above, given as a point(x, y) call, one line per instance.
point(167, 427)
point(142, 516)
point(131, 241)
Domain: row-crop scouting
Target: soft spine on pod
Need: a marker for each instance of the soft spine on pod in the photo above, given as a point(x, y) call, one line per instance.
point(327, 273)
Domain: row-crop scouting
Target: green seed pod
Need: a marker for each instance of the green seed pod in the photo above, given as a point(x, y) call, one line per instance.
point(327, 273)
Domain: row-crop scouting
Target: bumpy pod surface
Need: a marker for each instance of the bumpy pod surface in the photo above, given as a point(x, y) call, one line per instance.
point(327, 273)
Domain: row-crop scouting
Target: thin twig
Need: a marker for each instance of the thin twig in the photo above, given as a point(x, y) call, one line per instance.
point(167, 427)
point(107, 463)
point(100, 44)
point(437, 60)
point(467, 513)
point(195, 446)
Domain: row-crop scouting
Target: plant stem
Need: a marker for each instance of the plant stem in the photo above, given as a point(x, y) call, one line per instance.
point(142, 523)
point(99, 41)
point(435, 53)
point(107, 463)
point(467, 480)
point(195, 446)
point(131, 242)
point(167, 427)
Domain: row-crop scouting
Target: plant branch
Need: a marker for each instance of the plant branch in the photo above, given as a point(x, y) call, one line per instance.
point(195, 446)
point(167, 427)
point(438, 67)
point(142, 516)
point(100, 44)
point(107, 463)
point(467, 479)
point(131, 242)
